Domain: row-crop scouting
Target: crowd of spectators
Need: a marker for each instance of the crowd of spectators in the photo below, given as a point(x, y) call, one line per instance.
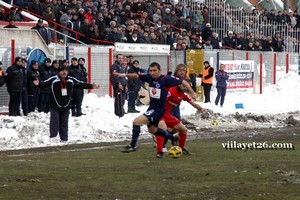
point(195, 26)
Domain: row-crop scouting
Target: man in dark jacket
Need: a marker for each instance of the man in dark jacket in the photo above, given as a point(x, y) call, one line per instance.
point(11, 24)
point(215, 42)
point(62, 87)
point(33, 91)
point(134, 86)
point(221, 77)
point(54, 67)
point(79, 73)
point(14, 83)
point(24, 95)
point(119, 85)
point(45, 73)
point(229, 42)
point(42, 30)
point(74, 24)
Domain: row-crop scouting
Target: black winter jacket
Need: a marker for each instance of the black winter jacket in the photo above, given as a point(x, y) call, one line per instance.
point(14, 78)
point(57, 100)
point(78, 72)
point(45, 73)
point(32, 75)
point(134, 84)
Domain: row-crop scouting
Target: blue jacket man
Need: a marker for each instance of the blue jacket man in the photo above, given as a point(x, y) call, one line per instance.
point(119, 85)
point(221, 77)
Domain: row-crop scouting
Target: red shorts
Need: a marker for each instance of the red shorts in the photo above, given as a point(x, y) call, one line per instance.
point(170, 120)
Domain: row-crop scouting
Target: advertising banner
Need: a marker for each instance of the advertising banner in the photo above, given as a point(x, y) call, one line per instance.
point(142, 48)
point(240, 75)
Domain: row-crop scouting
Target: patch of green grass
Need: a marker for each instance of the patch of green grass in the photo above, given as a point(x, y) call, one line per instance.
point(210, 173)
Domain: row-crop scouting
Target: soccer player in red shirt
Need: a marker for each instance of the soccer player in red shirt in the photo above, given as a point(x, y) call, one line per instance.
point(175, 96)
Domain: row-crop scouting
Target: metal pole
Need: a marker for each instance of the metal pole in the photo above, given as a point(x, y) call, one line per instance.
point(218, 60)
point(89, 58)
point(274, 68)
point(13, 47)
point(110, 62)
point(67, 52)
point(261, 73)
point(287, 63)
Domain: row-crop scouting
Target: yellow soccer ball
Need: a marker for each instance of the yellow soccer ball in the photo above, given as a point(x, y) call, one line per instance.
point(214, 122)
point(175, 152)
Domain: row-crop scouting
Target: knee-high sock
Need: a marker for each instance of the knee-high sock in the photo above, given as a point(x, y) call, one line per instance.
point(182, 139)
point(169, 136)
point(159, 143)
point(135, 135)
point(160, 137)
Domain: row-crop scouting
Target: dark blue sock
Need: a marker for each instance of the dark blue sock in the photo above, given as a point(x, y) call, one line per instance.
point(169, 136)
point(135, 135)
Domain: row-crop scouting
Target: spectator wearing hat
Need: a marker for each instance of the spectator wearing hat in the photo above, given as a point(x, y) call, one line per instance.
point(1, 75)
point(11, 24)
point(42, 30)
point(65, 63)
point(78, 72)
point(134, 86)
point(24, 95)
point(33, 91)
point(45, 73)
point(215, 42)
point(14, 79)
point(61, 92)
point(207, 80)
point(206, 32)
point(166, 16)
point(54, 67)
point(80, 14)
point(229, 41)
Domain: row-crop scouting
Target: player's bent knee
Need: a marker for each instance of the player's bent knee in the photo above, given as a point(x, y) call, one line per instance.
point(184, 131)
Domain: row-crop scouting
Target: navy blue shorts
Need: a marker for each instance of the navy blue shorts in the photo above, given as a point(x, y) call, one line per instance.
point(154, 115)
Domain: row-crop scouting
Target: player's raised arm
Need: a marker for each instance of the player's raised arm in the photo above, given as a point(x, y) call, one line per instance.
point(189, 88)
point(131, 75)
